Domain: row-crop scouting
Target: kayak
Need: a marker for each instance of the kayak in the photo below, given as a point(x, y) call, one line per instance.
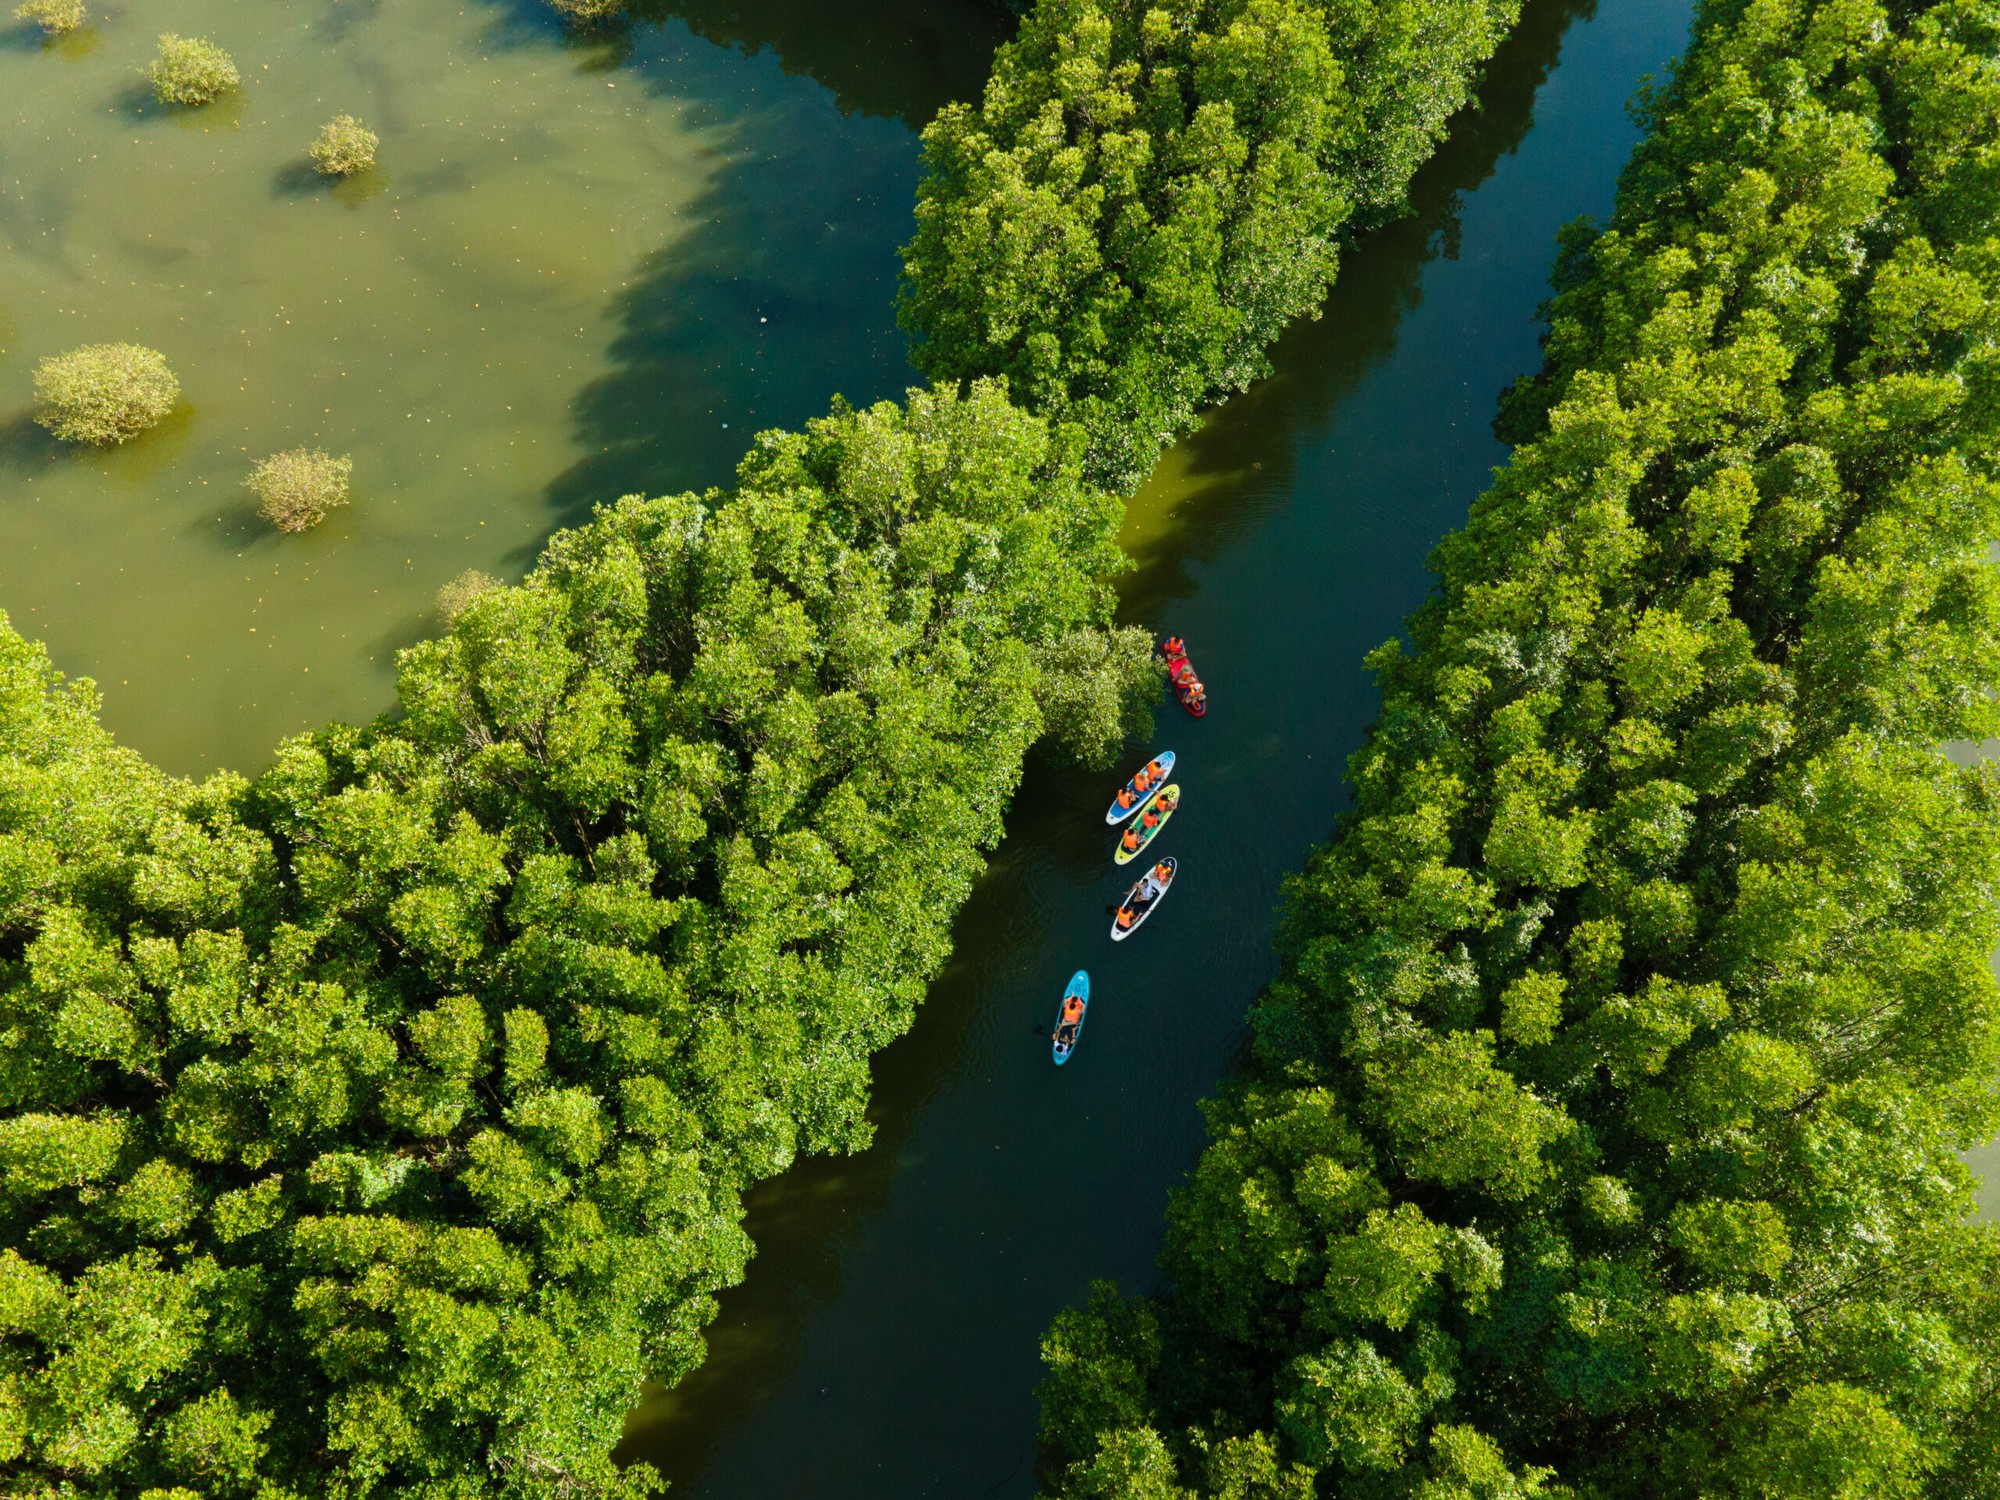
point(1180, 672)
point(1165, 761)
point(1079, 986)
point(1142, 910)
point(1168, 798)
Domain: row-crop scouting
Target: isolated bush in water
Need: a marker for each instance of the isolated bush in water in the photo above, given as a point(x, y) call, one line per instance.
point(56, 17)
point(104, 393)
point(344, 146)
point(191, 70)
point(588, 12)
point(297, 488)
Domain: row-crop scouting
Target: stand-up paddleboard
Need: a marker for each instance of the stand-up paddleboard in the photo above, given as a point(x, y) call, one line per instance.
point(1079, 986)
point(1166, 799)
point(1164, 761)
point(1143, 909)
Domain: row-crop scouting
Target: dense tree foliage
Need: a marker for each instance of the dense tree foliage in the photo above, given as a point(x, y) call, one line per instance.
point(1149, 194)
point(1601, 1135)
point(375, 1126)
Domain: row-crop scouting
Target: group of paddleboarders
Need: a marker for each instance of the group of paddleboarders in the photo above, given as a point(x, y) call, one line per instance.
point(1144, 804)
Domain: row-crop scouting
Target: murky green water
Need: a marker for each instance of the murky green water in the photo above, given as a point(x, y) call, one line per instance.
point(580, 270)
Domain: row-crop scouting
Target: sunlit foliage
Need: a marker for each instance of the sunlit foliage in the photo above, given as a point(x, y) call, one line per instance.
point(298, 488)
point(104, 394)
point(1601, 1137)
point(55, 17)
point(191, 70)
point(343, 147)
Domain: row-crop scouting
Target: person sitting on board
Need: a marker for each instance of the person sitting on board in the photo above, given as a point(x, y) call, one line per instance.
point(1175, 646)
point(1066, 1037)
point(1125, 915)
point(1155, 770)
point(1130, 843)
point(1154, 882)
point(1126, 798)
point(1144, 780)
point(1150, 818)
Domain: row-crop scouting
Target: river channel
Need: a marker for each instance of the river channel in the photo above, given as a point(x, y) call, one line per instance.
point(885, 1342)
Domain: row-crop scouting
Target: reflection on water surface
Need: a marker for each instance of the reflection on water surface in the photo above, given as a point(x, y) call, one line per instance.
point(581, 269)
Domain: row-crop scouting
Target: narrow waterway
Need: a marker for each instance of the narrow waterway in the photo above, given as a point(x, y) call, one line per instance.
point(582, 267)
point(885, 1342)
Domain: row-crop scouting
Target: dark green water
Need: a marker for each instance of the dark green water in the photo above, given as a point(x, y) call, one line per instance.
point(580, 270)
point(885, 1342)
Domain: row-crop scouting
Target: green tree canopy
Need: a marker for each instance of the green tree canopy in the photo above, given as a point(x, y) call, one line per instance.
point(1149, 193)
point(374, 1127)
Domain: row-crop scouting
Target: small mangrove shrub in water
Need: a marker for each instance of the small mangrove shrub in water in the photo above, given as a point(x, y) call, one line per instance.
point(55, 17)
point(343, 147)
point(104, 393)
point(191, 70)
point(454, 597)
point(297, 488)
point(588, 12)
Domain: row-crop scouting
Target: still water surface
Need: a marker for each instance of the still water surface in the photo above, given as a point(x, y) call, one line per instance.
point(581, 269)
point(885, 1342)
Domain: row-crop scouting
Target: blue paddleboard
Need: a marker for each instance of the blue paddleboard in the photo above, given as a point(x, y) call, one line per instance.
point(1079, 986)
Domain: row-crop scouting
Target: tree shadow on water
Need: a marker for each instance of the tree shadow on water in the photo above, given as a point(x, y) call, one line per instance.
point(780, 295)
point(1242, 461)
point(893, 59)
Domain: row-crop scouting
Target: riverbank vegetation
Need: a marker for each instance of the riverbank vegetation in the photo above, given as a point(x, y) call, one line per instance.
point(1601, 1133)
point(104, 394)
point(1148, 195)
point(375, 1126)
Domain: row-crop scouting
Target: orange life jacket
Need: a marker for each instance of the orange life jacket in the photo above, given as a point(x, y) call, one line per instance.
point(1125, 797)
point(1131, 839)
point(1125, 916)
